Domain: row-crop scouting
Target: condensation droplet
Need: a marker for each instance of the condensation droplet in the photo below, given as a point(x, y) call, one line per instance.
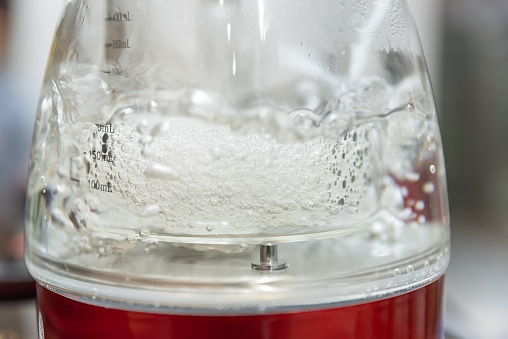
point(126, 113)
point(144, 233)
point(427, 264)
point(419, 205)
point(160, 129)
point(353, 210)
point(215, 152)
point(396, 272)
point(150, 210)
point(410, 269)
point(404, 191)
point(142, 126)
point(209, 228)
point(151, 244)
point(106, 250)
point(428, 187)
point(158, 171)
point(432, 169)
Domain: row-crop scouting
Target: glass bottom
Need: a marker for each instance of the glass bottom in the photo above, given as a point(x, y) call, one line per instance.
point(415, 315)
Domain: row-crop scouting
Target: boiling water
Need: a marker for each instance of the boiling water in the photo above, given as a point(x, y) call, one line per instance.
point(350, 188)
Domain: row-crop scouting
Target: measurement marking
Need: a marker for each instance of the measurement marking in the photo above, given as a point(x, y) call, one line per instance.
point(119, 44)
point(97, 156)
point(120, 17)
point(108, 128)
point(95, 184)
point(117, 71)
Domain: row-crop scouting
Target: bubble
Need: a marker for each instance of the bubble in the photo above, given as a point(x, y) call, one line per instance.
point(432, 169)
point(144, 233)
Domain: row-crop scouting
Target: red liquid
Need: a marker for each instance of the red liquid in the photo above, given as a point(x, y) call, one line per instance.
point(417, 315)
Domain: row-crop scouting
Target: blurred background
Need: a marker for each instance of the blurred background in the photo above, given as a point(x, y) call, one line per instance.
point(466, 46)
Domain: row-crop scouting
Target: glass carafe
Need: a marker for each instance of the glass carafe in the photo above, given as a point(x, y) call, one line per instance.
point(254, 169)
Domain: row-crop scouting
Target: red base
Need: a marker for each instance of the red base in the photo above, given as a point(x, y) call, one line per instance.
point(416, 315)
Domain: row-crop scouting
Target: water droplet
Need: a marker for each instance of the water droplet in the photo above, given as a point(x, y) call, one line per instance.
point(151, 244)
point(396, 272)
point(410, 269)
point(144, 233)
point(426, 264)
point(422, 219)
point(432, 169)
point(209, 228)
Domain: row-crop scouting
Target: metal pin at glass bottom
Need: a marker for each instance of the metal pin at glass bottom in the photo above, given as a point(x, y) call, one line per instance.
point(268, 255)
